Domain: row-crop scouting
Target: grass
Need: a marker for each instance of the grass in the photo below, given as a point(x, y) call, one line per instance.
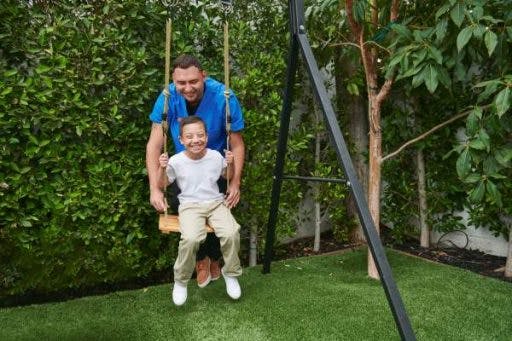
point(313, 298)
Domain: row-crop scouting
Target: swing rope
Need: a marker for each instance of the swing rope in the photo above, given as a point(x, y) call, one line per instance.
point(170, 223)
point(226, 5)
point(167, 94)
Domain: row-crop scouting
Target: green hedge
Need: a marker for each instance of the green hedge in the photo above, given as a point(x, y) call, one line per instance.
point(77, 83)
point(78, 80)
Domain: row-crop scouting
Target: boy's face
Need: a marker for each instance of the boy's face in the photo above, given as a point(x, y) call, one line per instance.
point(190, 83)
point(194, 138)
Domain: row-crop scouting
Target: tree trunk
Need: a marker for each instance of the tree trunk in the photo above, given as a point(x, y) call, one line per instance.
point(253, 243)
point(375, 149)
point(422, 199)
point(357, 124)
point(508, 264)
point(369, 59)
point(318, 221)
point(316, 186)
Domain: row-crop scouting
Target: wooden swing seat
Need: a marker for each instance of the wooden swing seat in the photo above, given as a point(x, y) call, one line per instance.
point(170, 223)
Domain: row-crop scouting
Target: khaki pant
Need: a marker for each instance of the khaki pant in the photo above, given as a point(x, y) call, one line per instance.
point(192, 220)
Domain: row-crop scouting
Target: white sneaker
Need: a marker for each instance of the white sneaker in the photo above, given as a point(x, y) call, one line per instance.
point(179, 294)
point(232, 286)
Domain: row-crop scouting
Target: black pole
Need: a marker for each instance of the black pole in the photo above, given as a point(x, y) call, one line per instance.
point(281, 144)
point(299, 37)
point(372, 237)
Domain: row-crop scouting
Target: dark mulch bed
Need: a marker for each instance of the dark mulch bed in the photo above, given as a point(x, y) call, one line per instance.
point(473, 260)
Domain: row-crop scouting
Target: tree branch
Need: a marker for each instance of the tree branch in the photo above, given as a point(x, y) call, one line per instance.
point(434, 129)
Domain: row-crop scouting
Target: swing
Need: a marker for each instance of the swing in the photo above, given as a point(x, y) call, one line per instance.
point(169, 223)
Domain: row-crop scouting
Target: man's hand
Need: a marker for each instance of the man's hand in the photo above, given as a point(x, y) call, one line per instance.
point(232, 195)
point(157, 200)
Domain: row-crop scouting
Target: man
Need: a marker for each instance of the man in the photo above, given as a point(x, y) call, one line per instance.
point(193, 93)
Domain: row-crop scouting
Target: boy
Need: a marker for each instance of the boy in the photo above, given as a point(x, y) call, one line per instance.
point(196, 171)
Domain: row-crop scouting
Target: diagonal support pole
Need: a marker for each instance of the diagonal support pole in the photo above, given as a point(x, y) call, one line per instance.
point(300, 42)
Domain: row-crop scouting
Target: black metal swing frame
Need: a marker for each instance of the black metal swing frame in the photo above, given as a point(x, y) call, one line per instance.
point(299, 43)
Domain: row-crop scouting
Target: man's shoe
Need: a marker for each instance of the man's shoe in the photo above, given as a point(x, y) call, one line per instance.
point(214, 269)
point(232, 286)
point(203, 272)
point(179, 294)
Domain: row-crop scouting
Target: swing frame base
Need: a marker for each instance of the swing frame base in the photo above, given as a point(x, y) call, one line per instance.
point(170, 223)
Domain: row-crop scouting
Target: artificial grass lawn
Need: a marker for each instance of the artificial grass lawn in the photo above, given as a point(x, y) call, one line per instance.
point(313, 298)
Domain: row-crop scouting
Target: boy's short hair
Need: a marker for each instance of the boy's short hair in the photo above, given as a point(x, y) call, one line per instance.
point(190, 120)
point(185, 61)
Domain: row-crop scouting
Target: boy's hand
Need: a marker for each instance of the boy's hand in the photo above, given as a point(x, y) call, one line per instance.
point(230, 157)
point(163, 160)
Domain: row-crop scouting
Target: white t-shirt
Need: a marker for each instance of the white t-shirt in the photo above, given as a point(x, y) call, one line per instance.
point(197, 179)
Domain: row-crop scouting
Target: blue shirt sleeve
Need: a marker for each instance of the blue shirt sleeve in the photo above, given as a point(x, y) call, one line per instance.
point(237, 118)
point(158, 109)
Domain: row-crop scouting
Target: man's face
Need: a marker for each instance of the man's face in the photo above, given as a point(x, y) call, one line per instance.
point(194, 138)
point(190, 83)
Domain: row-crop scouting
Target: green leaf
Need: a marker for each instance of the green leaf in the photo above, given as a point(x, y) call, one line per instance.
point(435, 54)
point(493, 193)
point(41, 68)
point(490, 166)
point(26, 223)
point(477, 12)
point(484, 137)
point(441, 29)
point(503, 156)
point(444, 77)
point(491, 40)
point(10, 73)
point(419, 57)
point(6, 91)
point(490, 89)
point(502, 101)
point(477, 111)
point(402, 31)
point(472, 178)
point(418, 79)
point(477, 144)
point(430, 78)
point(472, 124)
point(129, 237)
point(478, 31)
point(442, 10)
point(463, 164)
point(477, 194)
point(353, 89)
point(457, 13)
point(463, 37)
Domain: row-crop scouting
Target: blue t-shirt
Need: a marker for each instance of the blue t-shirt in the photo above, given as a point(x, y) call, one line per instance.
point(211, 109)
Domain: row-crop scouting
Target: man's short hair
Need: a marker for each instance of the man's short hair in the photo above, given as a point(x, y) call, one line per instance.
point(185, 61)
point(190, 120)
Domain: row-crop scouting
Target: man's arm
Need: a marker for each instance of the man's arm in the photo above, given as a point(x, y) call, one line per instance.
point(238, 149)
point(153, 151)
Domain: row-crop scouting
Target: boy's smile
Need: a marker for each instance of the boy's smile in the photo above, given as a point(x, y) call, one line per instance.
point(194, 138)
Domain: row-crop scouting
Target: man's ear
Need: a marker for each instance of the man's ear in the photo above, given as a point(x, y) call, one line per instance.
point(204, 73)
